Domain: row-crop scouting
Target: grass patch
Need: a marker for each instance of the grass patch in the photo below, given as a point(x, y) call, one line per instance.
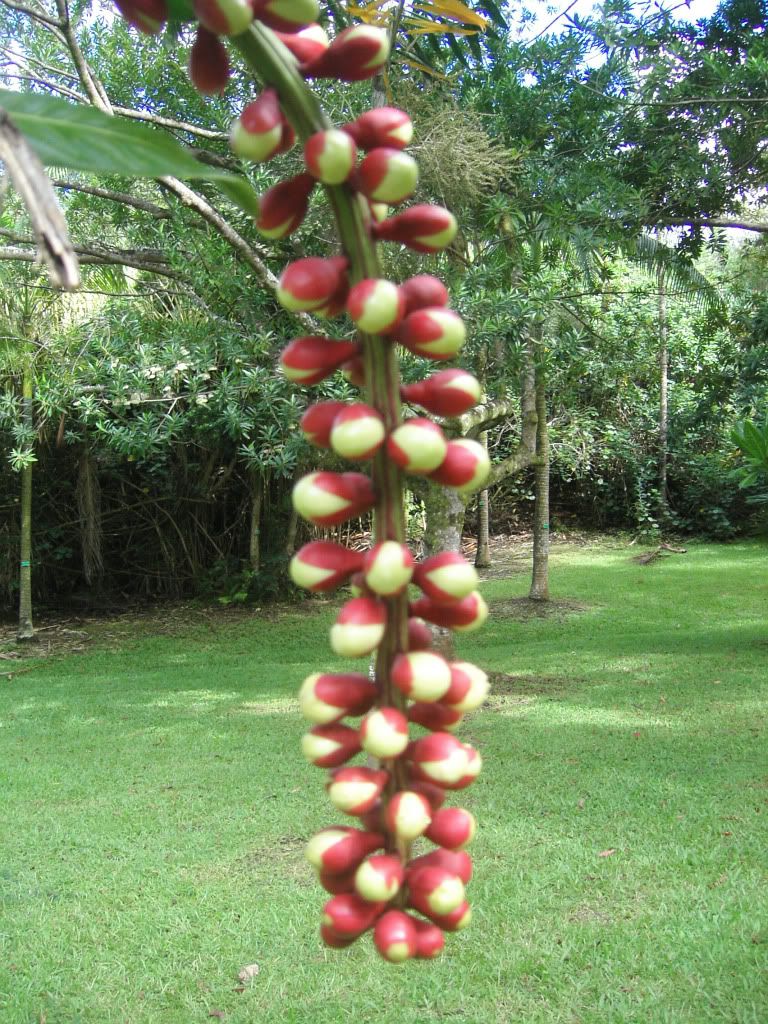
point(156, 806)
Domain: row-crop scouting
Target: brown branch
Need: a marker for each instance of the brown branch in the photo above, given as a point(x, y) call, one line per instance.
point(32, 13)
point(159, 212)
point(196, 202)
point(92, 86)
point(713, 222)
point(167, 122)
point(483, 417)
point(101, 257)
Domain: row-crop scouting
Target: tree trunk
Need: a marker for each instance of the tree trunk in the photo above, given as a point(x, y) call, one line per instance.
point(254, 545)
point(89, 514)
point(663, 395)
point(445, 510)
point(26, 629)
point(483, 553)
point(444, 514)
point(540, 578)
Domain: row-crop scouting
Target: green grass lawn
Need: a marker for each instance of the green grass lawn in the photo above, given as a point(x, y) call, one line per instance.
point(155, 807)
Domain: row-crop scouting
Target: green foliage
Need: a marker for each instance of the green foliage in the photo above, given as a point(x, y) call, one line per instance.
point(85, 139)
point(621, 866)
point(752, 441)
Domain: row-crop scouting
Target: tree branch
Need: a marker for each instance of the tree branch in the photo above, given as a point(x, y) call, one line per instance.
point(167, 122)
point(150, 260)
point(32, 13)
point(159, 212)
point(712, 222)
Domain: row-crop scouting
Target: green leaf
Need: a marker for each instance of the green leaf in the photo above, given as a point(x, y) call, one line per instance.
point(82, 138)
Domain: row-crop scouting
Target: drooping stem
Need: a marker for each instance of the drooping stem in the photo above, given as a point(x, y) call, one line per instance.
point(271, 62)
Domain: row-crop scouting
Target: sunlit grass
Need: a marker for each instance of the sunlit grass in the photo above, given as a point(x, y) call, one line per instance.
point(155, 809)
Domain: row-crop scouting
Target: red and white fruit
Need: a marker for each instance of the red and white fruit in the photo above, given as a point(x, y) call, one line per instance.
point(330, 938)
point(384, 733)
point(283, 207)
point(375, 305)
point(224, 17)
point(286, 15)
point(446, 577)
point(310, 359)
point(434, 890)
point(378, 879)
point(317, 421)
point(464, 616)
point(355, 790)
point(328, 746)
point(357, 432)
point(423, 291)
point(446, 393)
point(421, 675)
point(382, 126)
point(452, 827)
point(335, 884)
point(347, 915)
point(307, 44)
point(474, 767)
point(418, 446)
point(436, 717)
point(424, 228)
point(148, 16)
point(435, 333)
point(359, 627)
point(356, 54)
point(339, 850)
point(466, 466)
point(419, 635)
point(395, 936)
point(208, 63)
point(439, 758)
point(456, 862)
point(430, 939)
point(310, 283)
point(258, 133)
point(387, 176)
point(469, 687)
point(408, 815)
point(330, 156)
point(326, 499)
point(326, 697)
point(388, 568)
point(455, 921)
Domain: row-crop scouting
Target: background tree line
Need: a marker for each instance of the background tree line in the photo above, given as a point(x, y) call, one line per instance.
point(619, 333)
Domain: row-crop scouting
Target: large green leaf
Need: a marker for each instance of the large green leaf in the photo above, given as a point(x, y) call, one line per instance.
point(82, 138)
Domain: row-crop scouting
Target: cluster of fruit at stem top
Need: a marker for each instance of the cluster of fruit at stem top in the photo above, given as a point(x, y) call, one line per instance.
point(398, 795)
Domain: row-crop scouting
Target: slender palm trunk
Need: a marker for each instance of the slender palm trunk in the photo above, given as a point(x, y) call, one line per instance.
point(26, 629)
point(663, 395)
point(483, 553)
point(540, 577)
point(254, 538)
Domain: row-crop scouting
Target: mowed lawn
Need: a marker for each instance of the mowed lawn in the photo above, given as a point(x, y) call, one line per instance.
point(155, 806)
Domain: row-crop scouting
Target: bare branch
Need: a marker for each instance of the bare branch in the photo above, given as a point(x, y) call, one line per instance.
point(36, 15)
point(196, 202)
point(167, 122)
point(713, 222)
point(151, 260)
point(159, 212)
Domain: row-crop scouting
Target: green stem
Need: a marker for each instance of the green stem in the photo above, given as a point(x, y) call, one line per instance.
point(270, 61)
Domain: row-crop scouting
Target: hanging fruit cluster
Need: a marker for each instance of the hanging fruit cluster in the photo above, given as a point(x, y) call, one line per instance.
point(398, 795)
